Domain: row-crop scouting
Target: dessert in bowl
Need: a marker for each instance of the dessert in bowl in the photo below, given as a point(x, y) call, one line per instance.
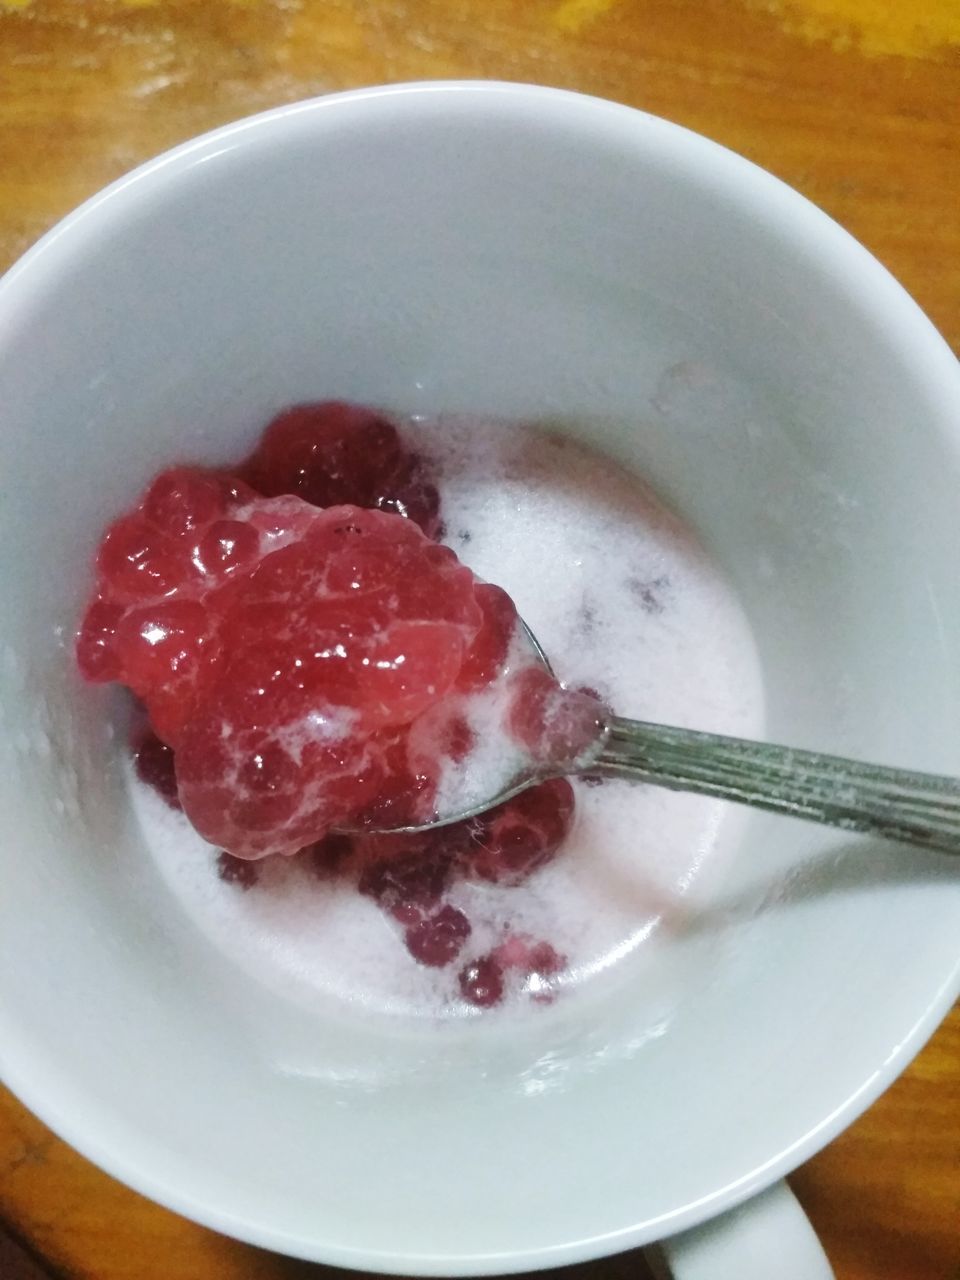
point(313, 665)
point(670, 315)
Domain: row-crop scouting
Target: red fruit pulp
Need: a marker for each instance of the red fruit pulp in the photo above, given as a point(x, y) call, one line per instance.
point(482, 982)
point(306, 654)
point(154, 763)
point(529, 957)
point(332, 453)
point(408, 885)
point(558, 726)
point(276, 674)
point(438, 940)
point(523, 834)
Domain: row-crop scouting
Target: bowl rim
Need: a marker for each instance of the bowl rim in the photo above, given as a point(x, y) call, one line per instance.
point(750, 187)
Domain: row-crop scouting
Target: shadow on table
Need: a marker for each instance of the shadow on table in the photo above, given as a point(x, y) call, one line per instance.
point(623, 1266)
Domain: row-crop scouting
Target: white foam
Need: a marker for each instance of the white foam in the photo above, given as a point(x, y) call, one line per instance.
point(625, 600)
point(495, 760)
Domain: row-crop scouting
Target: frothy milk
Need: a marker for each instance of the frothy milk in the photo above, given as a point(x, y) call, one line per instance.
point(624, 600)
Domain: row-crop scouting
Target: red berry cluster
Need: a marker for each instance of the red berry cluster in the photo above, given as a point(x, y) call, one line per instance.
point(409, 878)
point(303, 648)
point(283, 650)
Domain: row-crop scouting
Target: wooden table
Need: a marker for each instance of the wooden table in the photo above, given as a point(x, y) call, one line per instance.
point(854, 102)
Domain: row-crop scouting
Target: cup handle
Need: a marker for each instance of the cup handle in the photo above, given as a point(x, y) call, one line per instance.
point(769, 1235)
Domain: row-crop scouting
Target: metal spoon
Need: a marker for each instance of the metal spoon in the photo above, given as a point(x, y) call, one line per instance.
point(897, 804)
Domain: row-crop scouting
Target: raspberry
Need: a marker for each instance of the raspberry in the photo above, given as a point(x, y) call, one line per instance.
point(529, 957)
point(410, 493)
point(406, 794)
point(408, 886)
point(481, 982)
point(332, 454)
point(269, 785)
point(522, 834)
point(488, 652)
point(362, 611)
point(311, 665)
point(285, 678)
point(96, 654)
point(156, 575)
point(439, 939)
point(556, 725)
point(161, 649)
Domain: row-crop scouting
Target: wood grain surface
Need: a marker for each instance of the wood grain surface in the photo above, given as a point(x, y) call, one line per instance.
point(854, 102)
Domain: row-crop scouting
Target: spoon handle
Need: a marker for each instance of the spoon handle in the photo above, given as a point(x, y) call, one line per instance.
point(916, 808)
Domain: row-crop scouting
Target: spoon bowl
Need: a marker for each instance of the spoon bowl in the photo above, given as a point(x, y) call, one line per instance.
point(913, 807)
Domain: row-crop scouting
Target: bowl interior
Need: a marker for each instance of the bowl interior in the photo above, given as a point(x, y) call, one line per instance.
point(524, 253)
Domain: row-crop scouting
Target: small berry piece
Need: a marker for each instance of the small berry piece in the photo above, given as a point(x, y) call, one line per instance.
point(332, 453)
point(529, 956)
point(96, 653)
point(439, 939)
point(237, 871)
point(557, 726)
point(154, 763)
point(522, 834)
point(411, 493)
point(407, 886)
point(481, 982)
point(161, 647)
point(271, 785)
point(486, 657)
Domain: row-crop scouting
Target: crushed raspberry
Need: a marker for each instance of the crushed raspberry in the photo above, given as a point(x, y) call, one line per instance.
point(408, 886)
point(96, 654)
point(486, 657)
point(411, 493)
point(558, 726)
point(154, 763)
point(530, 956)
point(308, 667)
point(544, 960)
point(258, 789)
point(522, 834)
point(309, 661)
point(360, 612)
point(482, 982)
point(237, 871)
point(272, 676)
point(405, 795)
point(149, 624)
point(456, 739)
point(535, 961)
point(335, 454)
point(438, 940)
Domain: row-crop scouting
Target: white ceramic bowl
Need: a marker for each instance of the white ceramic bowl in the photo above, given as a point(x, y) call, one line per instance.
point(518, 251)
